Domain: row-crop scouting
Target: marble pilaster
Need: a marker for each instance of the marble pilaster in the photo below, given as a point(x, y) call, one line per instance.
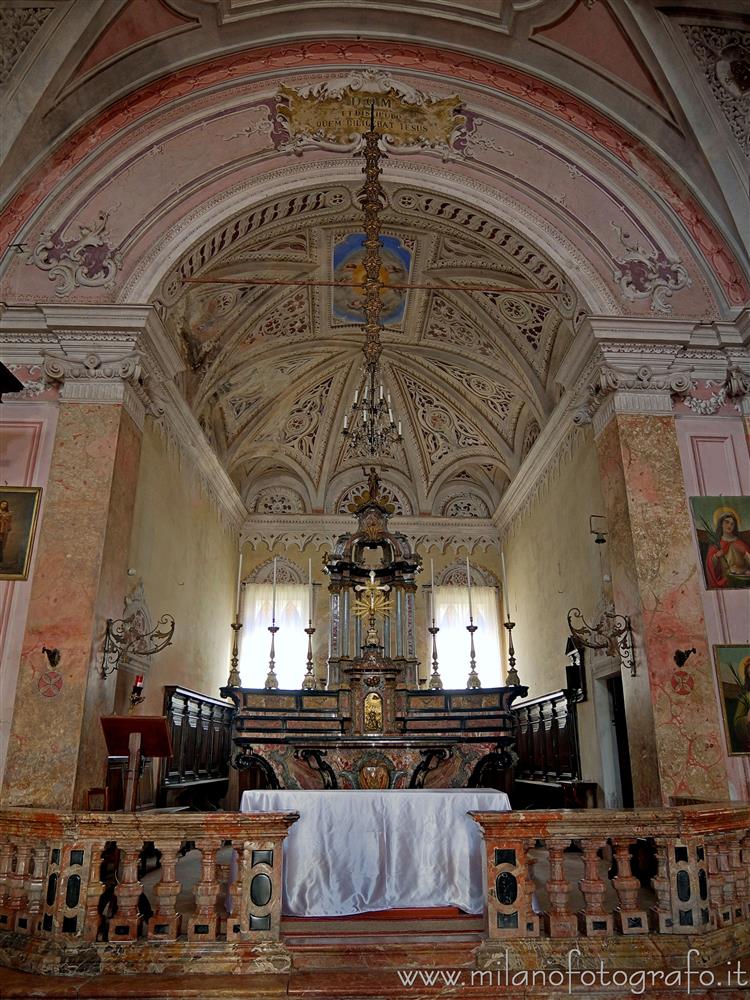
point(108, 368)
point(655, 578)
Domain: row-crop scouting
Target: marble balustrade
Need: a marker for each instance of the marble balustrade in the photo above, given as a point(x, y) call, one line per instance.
point(59, 872)
point(54, 868)
point(700, 885)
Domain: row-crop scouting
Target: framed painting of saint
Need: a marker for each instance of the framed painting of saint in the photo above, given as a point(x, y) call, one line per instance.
point(733, 672)
point(722, 526)
point(19, 511)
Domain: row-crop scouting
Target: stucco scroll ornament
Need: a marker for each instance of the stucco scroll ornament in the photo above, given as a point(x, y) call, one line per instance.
point(607, 380)
point(642, 274)
point(87, 260)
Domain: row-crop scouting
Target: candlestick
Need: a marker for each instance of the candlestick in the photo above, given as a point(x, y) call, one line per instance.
point(473, 681)
point(511, 676)
point(234, 673)
point(273, 602)
point(271, 679)
point(239, 586)
point(308, 684)
point(436, 681)
point(468, 584)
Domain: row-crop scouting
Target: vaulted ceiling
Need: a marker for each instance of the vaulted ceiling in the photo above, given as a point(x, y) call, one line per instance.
point(604, 155)
point(272, 368)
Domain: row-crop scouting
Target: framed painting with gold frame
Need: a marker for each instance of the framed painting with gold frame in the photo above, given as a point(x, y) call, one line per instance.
point(19, 513)
point(733, 675)
point(722, 527)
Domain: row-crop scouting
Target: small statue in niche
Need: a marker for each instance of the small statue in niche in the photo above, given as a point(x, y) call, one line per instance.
point(373, 713)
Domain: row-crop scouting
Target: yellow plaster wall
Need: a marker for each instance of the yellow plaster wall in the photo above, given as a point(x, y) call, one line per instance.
point(187, 559)
point(554, 565)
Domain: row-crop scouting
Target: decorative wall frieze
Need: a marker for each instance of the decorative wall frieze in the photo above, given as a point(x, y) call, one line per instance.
point(321, 531)
point(643, 366)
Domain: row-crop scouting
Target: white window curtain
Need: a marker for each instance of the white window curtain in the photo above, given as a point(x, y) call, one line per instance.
point(291, 641)
point(453, 644)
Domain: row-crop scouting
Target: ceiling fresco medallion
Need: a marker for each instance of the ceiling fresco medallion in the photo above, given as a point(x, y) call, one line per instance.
point(347, 304)
point(336, 114)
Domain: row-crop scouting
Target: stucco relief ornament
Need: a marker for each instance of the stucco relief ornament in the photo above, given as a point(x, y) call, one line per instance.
point(87, 260)
point(643, 275)
point(606, 380)
point(334, 115)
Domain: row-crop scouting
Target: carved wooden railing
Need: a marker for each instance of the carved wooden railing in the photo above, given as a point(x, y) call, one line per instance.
point(201, 731)
point(701, 882)
point(55, 891)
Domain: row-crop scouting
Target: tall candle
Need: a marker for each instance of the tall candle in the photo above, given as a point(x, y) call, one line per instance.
point(310, 591)
point(506, 595)
point(468, 583)
point(432, 590)
point(239, 586)
point(273, 609)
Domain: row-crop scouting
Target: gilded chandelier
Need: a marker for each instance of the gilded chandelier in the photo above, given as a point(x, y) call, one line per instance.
point(370, 427)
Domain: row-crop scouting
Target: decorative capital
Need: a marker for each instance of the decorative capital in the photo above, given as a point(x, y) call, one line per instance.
point(643, 390)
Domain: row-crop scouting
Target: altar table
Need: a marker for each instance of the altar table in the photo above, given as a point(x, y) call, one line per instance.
point(355, 851)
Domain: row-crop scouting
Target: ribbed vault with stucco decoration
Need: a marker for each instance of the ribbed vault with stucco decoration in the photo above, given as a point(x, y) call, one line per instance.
point(271, 368)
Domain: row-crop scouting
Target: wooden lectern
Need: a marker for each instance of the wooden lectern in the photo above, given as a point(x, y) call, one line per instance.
point(134, 737)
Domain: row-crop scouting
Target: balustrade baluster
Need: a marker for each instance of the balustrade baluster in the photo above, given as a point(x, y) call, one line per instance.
point(593, 919)
point(662, 919)
point(165, 924)
point(745, 858)
point(629, 917)
point(126, 923)
point(203, 925)
point(7, 854)
point(223, 876)
point(92, 918)
point(234, 896)
point(17, 880)
point(721, 913)
point(559, 921)
point(739, 877)
point(29, 919)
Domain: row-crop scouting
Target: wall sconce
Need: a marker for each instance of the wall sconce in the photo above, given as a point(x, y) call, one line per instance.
point(600, 535)
point(612, 632)
point(123, 636)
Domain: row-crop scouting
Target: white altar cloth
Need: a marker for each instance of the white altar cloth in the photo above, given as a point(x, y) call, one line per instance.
point(355, 851)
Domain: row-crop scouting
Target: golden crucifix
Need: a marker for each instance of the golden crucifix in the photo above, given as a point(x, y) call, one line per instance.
point(372, 600)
